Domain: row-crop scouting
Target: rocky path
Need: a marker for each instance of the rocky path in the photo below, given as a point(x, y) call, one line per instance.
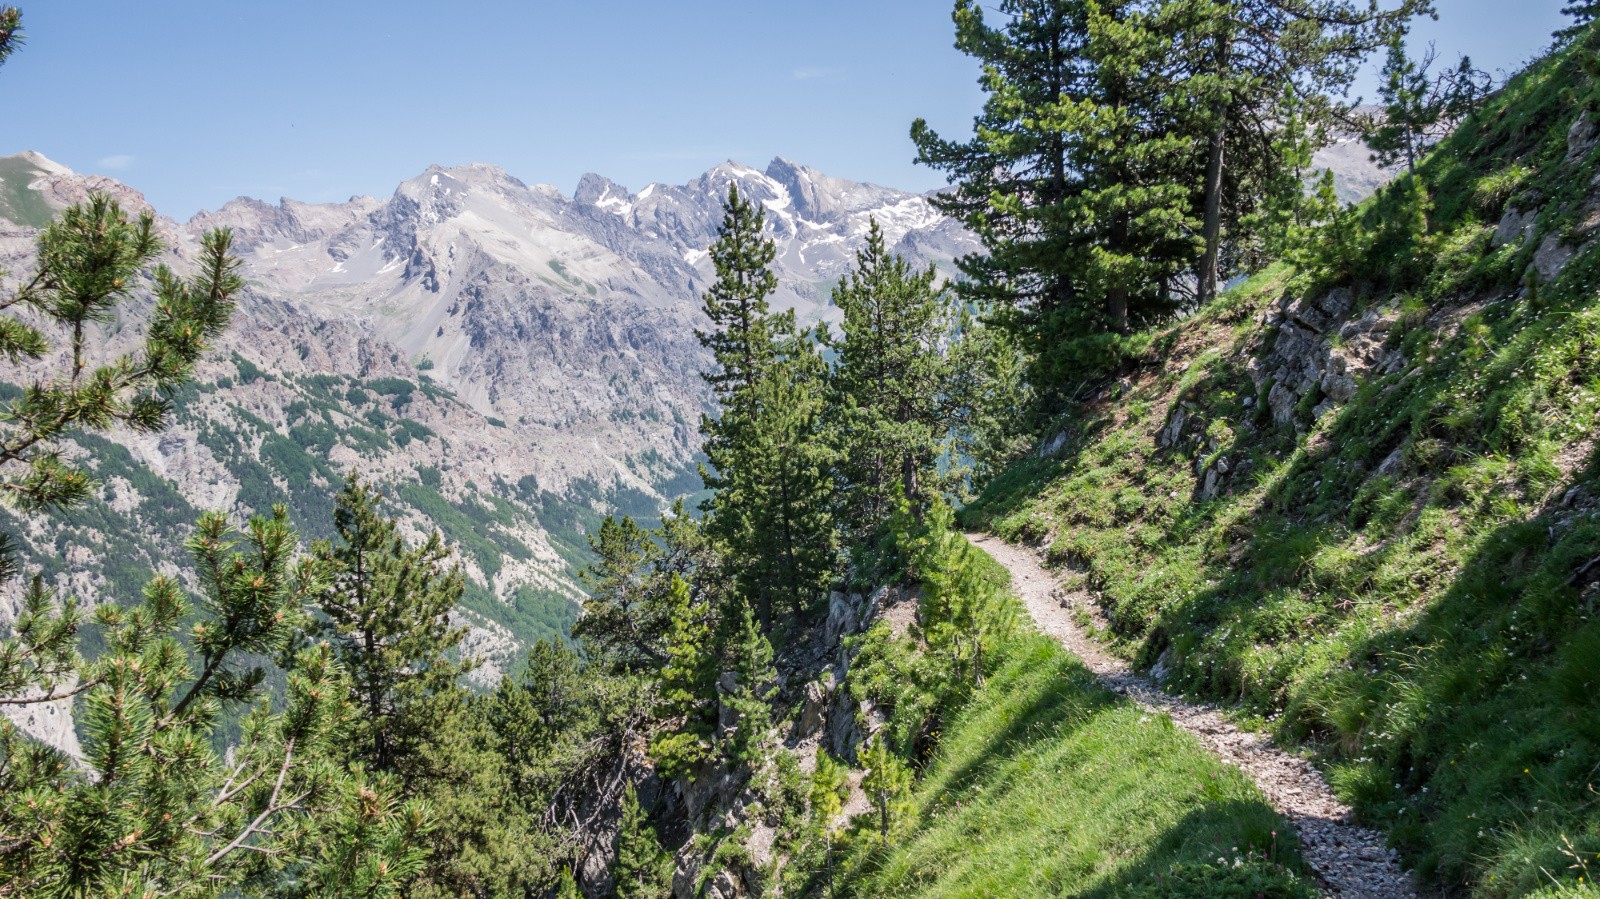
point(1352, 861)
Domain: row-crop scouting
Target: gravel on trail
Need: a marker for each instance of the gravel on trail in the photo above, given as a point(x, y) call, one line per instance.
point(1352, 861)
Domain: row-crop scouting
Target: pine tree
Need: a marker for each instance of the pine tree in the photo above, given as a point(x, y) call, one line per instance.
point(740, 338)
point(156, 807)
point(643, 869)
point(1245, 57)
point(1583, 13)
point(964, 614)
point(486, 840)
point(567, 886)
point(10, 31)
point(90, 261)
point(623, 623)
point(1136, 206)
point(782, 540)
point(388, 607)
point(1011, 182)
point(561, 724)
point(688, 687)
point(627, 616)
point(768, 465)
point(887, 784)
point(890, 383)
point(1419, 106)
point(988, 389)
point(830, 785)
point(748, 657)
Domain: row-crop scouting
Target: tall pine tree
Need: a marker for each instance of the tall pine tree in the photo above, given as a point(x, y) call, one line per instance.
point(889, 389)
point(768, 464)
point(388, 606)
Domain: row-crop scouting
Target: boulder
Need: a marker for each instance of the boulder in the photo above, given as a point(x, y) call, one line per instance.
point(1053, 446)
point(1582, 136)
point(1515, 225)
point(842, 619)
point(1173, 432)
point(1552, 258)
point(814, 707)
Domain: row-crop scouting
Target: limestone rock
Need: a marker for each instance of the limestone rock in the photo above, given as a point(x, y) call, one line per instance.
point(1514, 225)
point(1053, 446)
point(1319, 351)
point(1582, 136)
point(1552, 258)
point(814, 708)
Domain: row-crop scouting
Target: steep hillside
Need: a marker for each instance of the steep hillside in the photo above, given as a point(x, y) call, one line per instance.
point(1359, 497)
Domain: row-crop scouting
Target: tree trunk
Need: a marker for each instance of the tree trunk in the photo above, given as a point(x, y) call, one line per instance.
point(1209, 274)
point(1117, 310)
point(908, 473)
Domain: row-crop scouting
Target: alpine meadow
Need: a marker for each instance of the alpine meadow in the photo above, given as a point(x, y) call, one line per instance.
point(1196, 494)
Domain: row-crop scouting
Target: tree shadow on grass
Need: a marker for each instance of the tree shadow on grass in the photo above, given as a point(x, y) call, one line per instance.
point(1041, 785)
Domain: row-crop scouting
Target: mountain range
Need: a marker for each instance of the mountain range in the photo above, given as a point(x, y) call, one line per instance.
point(508, 362)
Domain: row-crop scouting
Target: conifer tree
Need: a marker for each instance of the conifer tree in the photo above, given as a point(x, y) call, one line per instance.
point(830, 786)
point(535, 713)
point(1135, 208)
point(781, 538)
point(988, 388)
point(1583, 13)
point(1011, 181)
point(10, 31)
point(887, 783)
point(627, 616)
point(740, 338)
point(643, 869)
point(623, 623)
point(749, 659)
point(1245, 58)
point(156, 807)
point(688, 686)
point(388, 609)
point(567, 886)
point(1408, 114)
point(964, 614)
point(768, 464)
point(89, 261)
point(1420, 106)
point(890, 382)
point(561, 724)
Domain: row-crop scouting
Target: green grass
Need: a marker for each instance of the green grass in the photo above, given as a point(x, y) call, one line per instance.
point(1044, 783)
point(1430, 630)
point(1048, 785)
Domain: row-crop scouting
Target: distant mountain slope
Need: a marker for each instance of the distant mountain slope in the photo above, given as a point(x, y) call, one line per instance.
point(510, 363)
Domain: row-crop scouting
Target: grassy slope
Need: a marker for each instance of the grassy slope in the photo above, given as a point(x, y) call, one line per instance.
point(1046, 784)
point(1432, 629)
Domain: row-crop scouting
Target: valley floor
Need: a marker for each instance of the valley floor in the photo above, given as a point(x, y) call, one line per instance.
point(1352, 861)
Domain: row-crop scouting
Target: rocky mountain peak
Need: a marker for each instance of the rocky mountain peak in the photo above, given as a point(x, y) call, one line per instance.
point(598, 190)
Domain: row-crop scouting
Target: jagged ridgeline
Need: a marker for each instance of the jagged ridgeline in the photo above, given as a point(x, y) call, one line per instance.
point(508, 364)
point(1359, 495)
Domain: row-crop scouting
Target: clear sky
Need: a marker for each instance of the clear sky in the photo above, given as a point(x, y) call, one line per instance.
point(197, 102)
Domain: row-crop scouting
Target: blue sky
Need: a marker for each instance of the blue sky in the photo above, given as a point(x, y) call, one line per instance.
point(197, 102)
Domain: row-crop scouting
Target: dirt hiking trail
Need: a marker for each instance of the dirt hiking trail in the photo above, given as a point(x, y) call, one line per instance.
point(1351, 860)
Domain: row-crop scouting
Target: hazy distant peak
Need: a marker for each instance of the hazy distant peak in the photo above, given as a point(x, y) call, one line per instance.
point(42, 162)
